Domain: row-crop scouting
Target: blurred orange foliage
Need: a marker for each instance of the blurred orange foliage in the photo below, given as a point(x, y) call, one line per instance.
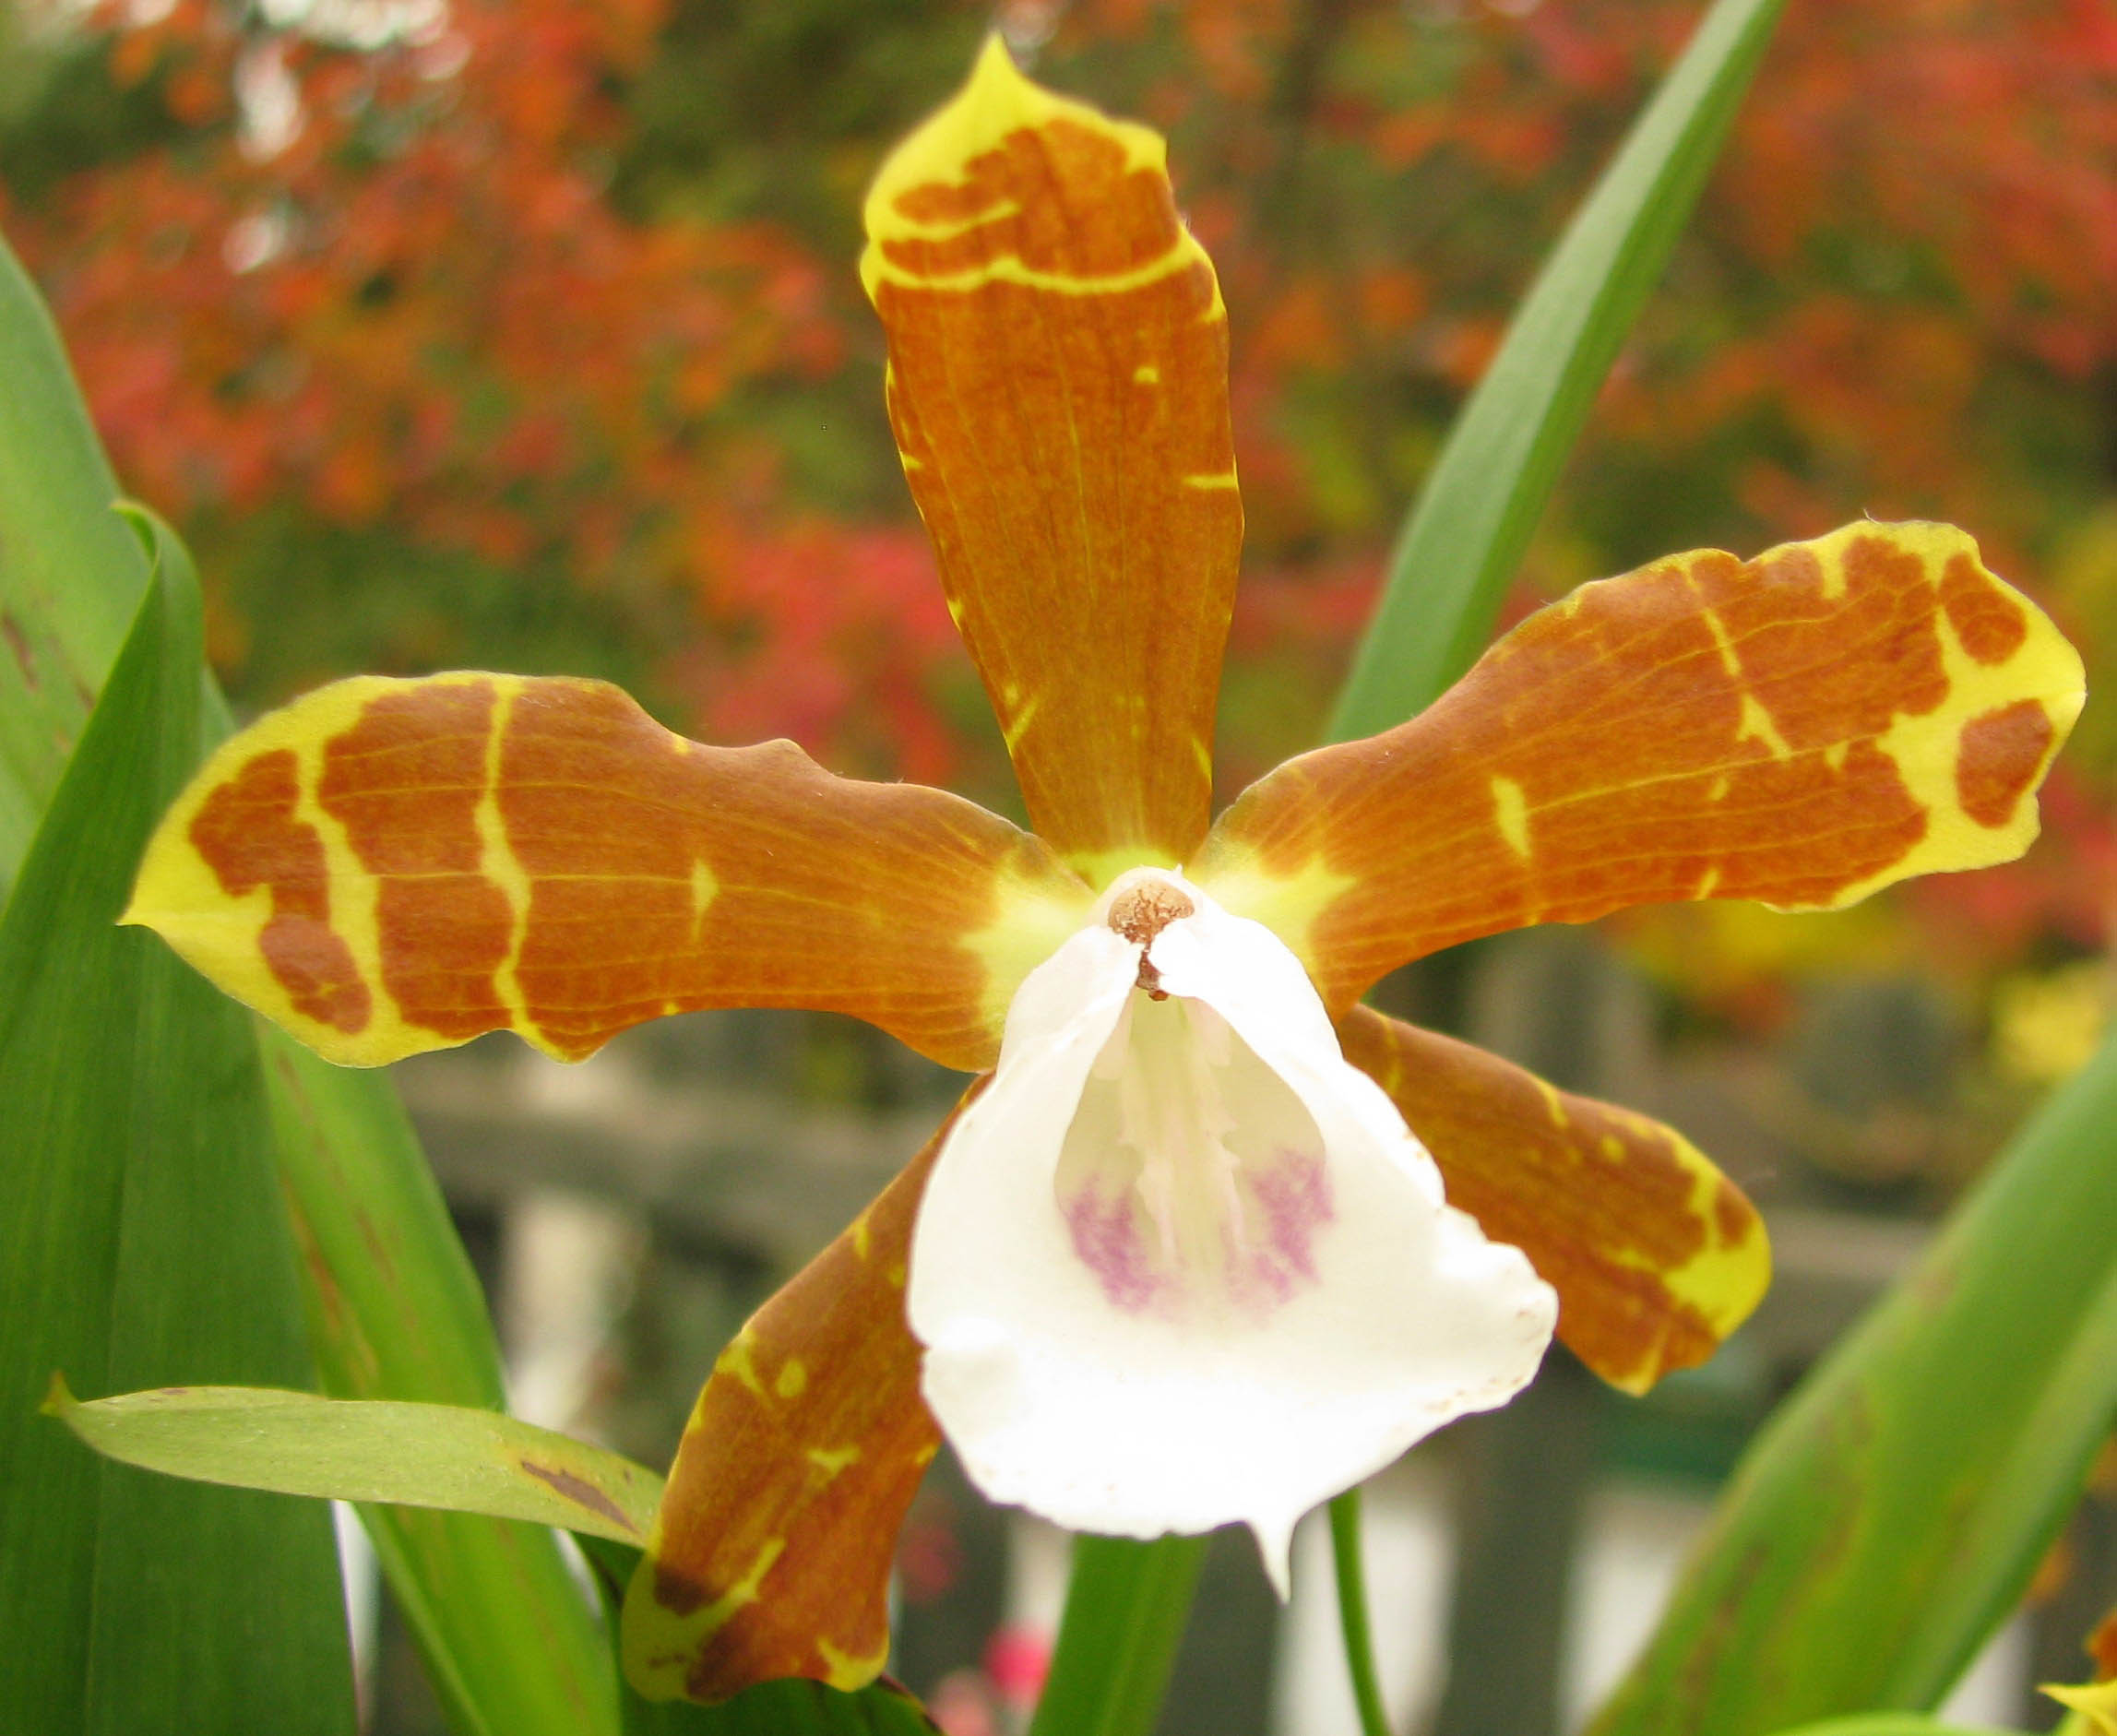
point(447, 272)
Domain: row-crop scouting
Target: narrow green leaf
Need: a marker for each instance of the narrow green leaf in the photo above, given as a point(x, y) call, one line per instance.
point(773, 1708)
point(1480, 505)
point(343, 1449)
point(1126, 1611)
point(70, 572)
point(395, 1312)
point(141, 1240)
point(1893, 1512)
point(509, 1641)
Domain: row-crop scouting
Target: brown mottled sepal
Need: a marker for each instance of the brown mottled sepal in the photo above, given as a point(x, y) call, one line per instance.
point(771, 1555)
point(389, 866)
point(1655, 1254)
point(1801, 729)
point(1058, 382)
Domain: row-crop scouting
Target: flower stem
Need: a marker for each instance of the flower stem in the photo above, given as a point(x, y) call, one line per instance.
point(1352, 1613)
point(1124, 1616)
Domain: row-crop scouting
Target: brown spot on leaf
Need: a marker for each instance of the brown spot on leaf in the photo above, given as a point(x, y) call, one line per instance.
point(580, 1492)
point(1999, 758)
point(18, 643)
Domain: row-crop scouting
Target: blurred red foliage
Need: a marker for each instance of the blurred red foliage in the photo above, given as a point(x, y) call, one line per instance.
point(396, 280)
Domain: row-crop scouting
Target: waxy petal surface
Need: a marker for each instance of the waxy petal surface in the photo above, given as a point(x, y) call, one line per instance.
point(389, 866)
point(1058, 382)
point(1801, 729)
point(1655, 1254)
point(1173, 1278)
point(772, 1552)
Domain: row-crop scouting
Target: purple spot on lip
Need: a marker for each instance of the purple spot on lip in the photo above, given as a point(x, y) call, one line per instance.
point(1106, 1236)
point(1293, 1197)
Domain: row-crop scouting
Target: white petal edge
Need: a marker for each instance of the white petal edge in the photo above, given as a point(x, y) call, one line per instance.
point(1130, 1424)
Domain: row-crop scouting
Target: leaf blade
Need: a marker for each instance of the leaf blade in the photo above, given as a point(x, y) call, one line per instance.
point(507, 1636)
point(142, 1236)
point(369, 1450)
point(1893, 1510)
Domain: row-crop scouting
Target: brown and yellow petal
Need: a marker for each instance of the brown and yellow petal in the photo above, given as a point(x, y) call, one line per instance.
point(1058, 382)
point(389, 866)
point(771, 1554)
point(1655, 1254)
point(1800, 728)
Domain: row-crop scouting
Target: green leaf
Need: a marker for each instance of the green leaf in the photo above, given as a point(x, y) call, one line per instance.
point(342, 1449)
point(1474, 517)
point(70, 572)
point(141, 1240)
point(794, 1708)
point(512, 1645)
point(1892, 1513)
point(395, 1312)
point(1125, 1615)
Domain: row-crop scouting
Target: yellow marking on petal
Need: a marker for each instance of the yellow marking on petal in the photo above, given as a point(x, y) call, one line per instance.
point(355, 894)
point(1757, 726)
point(1707, 881)
point(704, 888)
point(498, 863)
point(1726, 645)
point(847, 1671)
point(2095, 1701)
point(1511, 811)
point(1147, 374)
point(1028, 925)
point(739, 1358)
point(862, 1238)
point(1018, 725)
point(1287, 904)
point(1722, 1281)
point(995, 101)
point(1216, 479)
point(1101, 868)
point(703, 1624)
point(830, 1460)
point(1553, 1102)
point(1924, 747)
point(793, 1378)
point(924, 1456)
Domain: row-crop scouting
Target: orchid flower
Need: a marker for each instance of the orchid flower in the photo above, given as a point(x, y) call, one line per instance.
point(1206, 1241)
